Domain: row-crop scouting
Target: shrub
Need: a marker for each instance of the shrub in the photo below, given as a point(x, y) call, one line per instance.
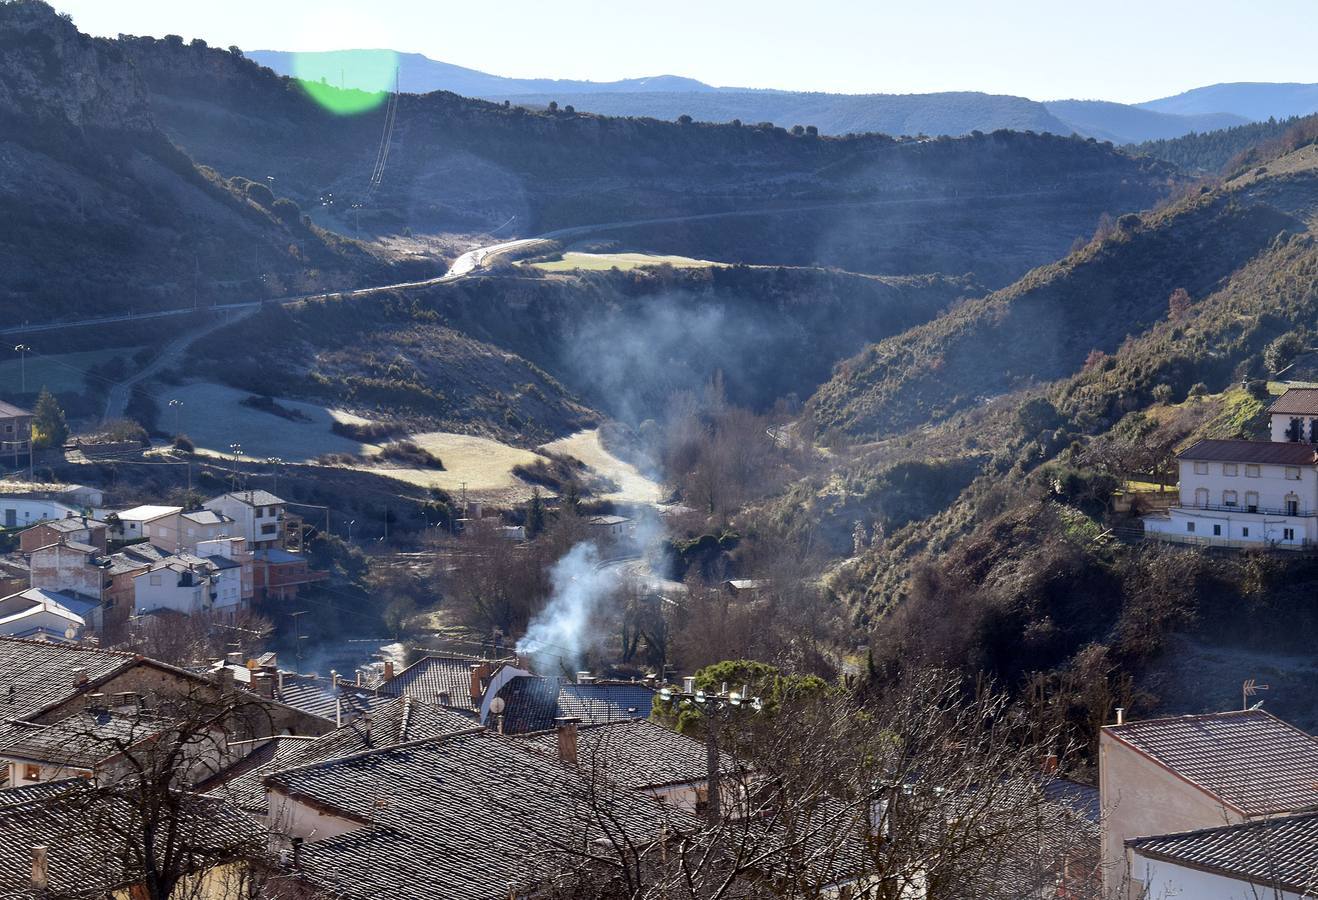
point(260, 194)
point(1199, 390)
point(1258, 389)
point(287, 211)
point(366, 432)
point(183, 444)
point(1281, 352)
point(411, 453)
point(1162, 393)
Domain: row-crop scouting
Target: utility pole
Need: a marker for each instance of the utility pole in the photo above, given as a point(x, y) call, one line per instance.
point(22, 350)
point(298, 637)
point(176, 405)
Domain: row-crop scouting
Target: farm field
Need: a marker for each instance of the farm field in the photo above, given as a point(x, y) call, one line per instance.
point(483, 465)
point(633, 486)
point(573, 261)
point(59, 372)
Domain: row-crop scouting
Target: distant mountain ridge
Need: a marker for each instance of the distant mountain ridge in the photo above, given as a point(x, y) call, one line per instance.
point(1253, 100)
point(953, 113)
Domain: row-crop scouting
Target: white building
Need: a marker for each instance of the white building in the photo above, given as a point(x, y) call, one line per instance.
point(189, 584)
point(44, 615)
point(139, 522)
point(23, 511)
point(1251, 493)
point(1242, 493)
point(257, 516)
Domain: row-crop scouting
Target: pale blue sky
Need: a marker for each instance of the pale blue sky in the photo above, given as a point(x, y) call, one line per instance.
point(1126, 50)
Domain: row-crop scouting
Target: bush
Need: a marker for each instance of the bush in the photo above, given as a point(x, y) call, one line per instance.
point(287, 211)
point(411, 454)
point(1162, 393)
point(1199, 390)
point(1281, 352)
point(366, 432)
point(1258, 389)
point(183, 444)
point(259, 194)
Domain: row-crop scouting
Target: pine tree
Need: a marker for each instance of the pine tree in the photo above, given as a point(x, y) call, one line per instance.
point(535, 514)
point(48, 426)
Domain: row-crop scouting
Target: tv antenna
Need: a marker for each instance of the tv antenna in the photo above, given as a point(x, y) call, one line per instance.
point(1250, 688)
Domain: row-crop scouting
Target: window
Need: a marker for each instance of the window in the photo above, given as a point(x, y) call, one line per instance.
point(1201, 497)
point(1288, 534)
point(1252, 501)
point(1228, 498)
point(1217, 530)
point(1292, 473)
point(31, 772)
point(1251, 471)
point(1292, 505)
point(1189, 526)
point(1244, 532)
point(1230, 469)
point(155, 579)
point(268, 529)
point(260, 512)
point(1295, 432)
point(1201, 468)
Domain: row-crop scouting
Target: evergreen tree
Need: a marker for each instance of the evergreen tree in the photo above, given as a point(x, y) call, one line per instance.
point(48, 426)
point(535, 514)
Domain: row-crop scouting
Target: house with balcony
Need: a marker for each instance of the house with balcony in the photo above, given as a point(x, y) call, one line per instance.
point(1246, 493)
point(257, 516)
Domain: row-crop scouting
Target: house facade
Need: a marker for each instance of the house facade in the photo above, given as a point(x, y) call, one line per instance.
point(258, 516)
point(1244, 493)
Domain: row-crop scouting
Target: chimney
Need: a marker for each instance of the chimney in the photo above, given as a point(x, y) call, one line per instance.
point(1121, 715)
point(585, 678)
point(297, 852)
point(39, 871)
point(388, 669)
point(338, 712)
point(359, 678)
point(567, 738)
point(1048, 765)
point(263, 683)
point(689, 684)
point(235, 658)
point(96, 701)
point(279, 680)
point(79, 677)
point(444, 699)
point(224, 677)
point(479, 672)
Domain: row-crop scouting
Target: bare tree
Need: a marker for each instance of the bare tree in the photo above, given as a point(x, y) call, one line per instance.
point(929, 791)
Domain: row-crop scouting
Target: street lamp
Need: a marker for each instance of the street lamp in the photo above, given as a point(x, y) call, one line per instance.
point(275, 462)
point(176, 405)
point(716, 707)
point(351, 522)
point(237, 450)
point(22, 364)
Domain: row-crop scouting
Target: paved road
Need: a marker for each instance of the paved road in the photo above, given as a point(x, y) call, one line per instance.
point(473, 260)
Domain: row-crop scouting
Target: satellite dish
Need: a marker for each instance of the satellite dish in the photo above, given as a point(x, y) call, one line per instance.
point(496, 705)
point(71, 633)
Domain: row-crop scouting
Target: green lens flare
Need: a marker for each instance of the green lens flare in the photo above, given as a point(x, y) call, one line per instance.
point(347, 82)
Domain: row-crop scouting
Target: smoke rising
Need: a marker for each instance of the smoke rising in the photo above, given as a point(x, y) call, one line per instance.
point(559, 635)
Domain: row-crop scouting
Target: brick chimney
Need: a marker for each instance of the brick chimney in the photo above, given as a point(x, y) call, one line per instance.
point(224, 677)
point(263, 684)
point(566, 727)
point(79, 677)
point(40, 875)
point(388, 669)
point(479, 672)
point(1048, 765)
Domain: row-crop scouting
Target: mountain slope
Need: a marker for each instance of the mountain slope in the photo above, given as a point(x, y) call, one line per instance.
point(1045, 326)
point(102, 213)
point(1252, 100)
point(994, 204)
point(1123, 124)
point(419, 74)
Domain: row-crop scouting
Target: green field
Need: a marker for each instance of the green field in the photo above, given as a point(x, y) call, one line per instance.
point(573, 261)
point(59, 372)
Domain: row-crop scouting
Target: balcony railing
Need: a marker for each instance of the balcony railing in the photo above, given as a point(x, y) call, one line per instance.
point(1300, 513)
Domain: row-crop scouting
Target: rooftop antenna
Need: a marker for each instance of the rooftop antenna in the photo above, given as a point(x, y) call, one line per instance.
point(1250, 688)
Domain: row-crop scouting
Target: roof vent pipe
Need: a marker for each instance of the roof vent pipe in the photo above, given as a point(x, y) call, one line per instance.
point(1121, 715)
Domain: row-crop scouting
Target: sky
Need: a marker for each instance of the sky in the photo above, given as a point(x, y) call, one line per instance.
point(1123, 50)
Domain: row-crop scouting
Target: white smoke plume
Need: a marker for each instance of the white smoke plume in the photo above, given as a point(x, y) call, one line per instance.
point(559, 636)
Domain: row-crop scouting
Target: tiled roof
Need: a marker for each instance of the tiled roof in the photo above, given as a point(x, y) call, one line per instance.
point(461, 817)
point(532, 703)
point(251, 498)
point(72, 523)
point(1296, 402)
point(81, 740)
point(431, 676)
point(1277, 453)
point(83, 831)
point(1275, 854)
point(35, 675)
point(41, 790)
point(320, 697)
point(398, 721)
point(1249, 760)
point(637, 753)
point(9, 410)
